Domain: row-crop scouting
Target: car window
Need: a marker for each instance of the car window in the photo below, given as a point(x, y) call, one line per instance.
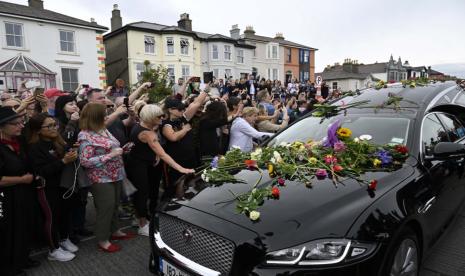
point(453, 127)
point(432, 133)
point(313, 128)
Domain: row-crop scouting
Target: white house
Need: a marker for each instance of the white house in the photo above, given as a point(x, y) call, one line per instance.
point(71, 48)
point(226, 57)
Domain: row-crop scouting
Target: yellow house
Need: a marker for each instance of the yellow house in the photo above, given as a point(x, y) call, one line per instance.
point(175, 47)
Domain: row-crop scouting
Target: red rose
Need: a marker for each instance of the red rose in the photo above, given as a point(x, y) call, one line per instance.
point(337, 168)
point(372, 185)
point(275, 192)
point(251, 164)
point(401, 149)
point(281, 181)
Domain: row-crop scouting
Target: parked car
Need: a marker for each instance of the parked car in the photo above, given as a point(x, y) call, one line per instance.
point(326, 230)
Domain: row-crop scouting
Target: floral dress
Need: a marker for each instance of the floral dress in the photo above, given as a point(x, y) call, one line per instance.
point(94, 153)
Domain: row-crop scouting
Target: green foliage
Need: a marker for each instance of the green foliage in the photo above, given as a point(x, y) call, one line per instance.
point(160, 80)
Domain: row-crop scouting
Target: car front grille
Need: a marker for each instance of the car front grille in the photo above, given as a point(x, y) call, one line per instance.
point(204, 248)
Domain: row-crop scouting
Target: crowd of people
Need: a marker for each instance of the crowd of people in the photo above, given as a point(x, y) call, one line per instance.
point(57, 147)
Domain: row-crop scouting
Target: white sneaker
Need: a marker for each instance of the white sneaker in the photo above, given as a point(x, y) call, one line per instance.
point(69, 246)
point(60, 255)
point(144, 231)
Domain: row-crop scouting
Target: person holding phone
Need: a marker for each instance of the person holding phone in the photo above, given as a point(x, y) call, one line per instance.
point(48, 158)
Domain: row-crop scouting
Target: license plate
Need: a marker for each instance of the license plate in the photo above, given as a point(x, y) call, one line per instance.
point(170, 270)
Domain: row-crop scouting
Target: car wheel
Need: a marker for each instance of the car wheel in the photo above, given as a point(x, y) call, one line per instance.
point(404, 260)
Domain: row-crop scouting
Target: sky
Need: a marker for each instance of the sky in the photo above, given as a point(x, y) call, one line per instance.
point(424, 32)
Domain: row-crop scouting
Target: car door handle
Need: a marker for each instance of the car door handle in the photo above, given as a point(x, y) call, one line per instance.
point(423, 209)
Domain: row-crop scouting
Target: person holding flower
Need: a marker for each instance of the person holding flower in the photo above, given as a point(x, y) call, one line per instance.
point(243, 132)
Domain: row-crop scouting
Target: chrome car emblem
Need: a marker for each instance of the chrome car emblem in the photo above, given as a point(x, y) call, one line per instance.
point(187, 235)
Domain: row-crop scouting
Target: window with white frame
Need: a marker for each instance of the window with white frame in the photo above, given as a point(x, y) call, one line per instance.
point(334, 85)
point(275, 74)
point(306, 56)
point(214, 51)
point(185, 71)
point(272, 51)
point(227, 73)
point(184, 42)
point(169, 45)
point(306, 76)
point(216, 73)
point(240, 56)
point(14, 35)
point(149, 42)
point(70, 79)
point(140, 68)
point(171, 75)
point(227, 52)
point(67, 41)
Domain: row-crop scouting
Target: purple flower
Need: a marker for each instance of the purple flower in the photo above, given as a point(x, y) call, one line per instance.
point(339, 146)
point(321, 173)
point(332, 139)
point(384, 156)
point(214, 163)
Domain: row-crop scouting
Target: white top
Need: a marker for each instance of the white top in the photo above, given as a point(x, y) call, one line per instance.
point(252, 87)
point(242, 133)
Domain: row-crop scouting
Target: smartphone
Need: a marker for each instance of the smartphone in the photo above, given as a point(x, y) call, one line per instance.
point(126, 102)
point(207, 77)
point(38, 91)
point(85, 86)
point(32, 83)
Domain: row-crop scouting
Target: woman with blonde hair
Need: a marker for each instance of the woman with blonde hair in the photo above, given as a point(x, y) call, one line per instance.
point(272, 125)
point(243, 131)
point(101, 156)
point(142, 163)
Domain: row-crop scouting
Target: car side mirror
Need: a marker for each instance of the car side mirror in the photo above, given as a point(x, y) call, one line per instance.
point(448, 150)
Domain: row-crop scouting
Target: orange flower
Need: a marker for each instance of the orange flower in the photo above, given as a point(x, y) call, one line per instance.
point(275, 192)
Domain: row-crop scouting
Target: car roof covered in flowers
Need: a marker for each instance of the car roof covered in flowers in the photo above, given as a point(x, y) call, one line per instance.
point(410, 100)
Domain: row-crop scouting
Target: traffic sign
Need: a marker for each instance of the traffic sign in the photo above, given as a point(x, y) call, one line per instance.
point(319, 80)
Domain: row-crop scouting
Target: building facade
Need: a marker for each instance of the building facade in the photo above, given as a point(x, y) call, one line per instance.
point(277, 58)
point(69, 47)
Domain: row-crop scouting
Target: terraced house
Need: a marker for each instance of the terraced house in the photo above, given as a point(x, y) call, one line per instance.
point(56, 49)
point(180, 49)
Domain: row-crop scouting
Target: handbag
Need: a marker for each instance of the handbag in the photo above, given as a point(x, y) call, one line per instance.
point(74, 177)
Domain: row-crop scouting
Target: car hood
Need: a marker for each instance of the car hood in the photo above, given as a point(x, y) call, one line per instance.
point(301, 213)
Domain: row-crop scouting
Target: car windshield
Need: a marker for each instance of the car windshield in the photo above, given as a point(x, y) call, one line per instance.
point(383, 130)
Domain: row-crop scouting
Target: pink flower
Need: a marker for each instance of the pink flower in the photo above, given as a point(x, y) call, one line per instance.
point(329, 159)
point(337, 168)
point(281, 181)
point(339, 146)
point(321, 173)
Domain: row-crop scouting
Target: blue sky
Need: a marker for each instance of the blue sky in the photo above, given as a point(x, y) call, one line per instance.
point(427, 32)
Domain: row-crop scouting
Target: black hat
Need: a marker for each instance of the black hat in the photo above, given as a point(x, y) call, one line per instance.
point(173, 102)
point(7, 114)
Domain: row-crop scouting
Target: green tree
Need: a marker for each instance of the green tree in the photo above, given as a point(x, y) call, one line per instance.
point(161, 84)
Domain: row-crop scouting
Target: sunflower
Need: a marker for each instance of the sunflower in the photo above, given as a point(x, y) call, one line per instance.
point(344, 132)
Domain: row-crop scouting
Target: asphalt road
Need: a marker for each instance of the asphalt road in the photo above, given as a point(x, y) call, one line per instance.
point(446, 259)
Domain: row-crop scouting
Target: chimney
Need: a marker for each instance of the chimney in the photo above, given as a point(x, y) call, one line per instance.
point(116, 19)
point(36, 4)
point(249, 30)
point(185, 23)
point(279, 36)
point(235, 32)
point(92, 21)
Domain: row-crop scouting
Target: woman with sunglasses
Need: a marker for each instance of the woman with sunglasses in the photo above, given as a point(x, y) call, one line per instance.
point(48, 158)
point(142, 162)
point(16, 196)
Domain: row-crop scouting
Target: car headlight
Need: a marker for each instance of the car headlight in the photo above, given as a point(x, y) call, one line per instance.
point(320, 252)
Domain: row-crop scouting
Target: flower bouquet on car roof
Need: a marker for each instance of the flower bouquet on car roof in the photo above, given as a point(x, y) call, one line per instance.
point(337, 157)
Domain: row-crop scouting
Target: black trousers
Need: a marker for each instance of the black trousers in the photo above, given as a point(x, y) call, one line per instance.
point(146, 178)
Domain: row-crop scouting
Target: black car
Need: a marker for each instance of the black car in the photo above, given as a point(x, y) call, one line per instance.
point(326, 230)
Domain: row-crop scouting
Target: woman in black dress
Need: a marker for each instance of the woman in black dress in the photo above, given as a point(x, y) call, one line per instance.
point(16, 196)
point(215, 116)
